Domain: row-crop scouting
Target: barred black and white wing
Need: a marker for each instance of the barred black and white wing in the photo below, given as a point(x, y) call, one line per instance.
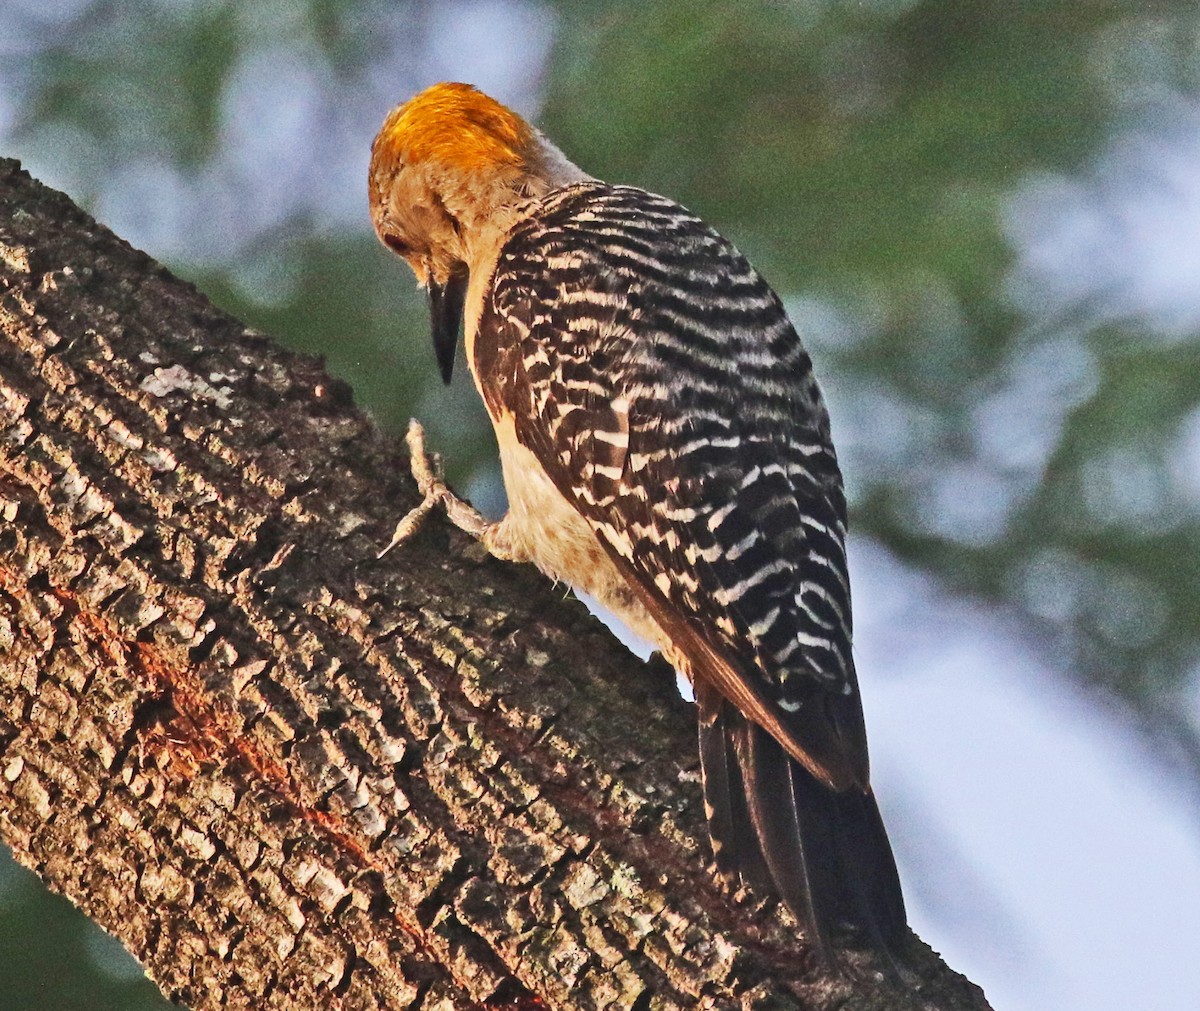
point(658, 381)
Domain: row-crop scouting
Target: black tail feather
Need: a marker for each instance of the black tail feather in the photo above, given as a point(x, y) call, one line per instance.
point(825, 854)
point(735, 842)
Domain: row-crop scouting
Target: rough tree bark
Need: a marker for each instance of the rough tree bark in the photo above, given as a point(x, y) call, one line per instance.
point(285, 774)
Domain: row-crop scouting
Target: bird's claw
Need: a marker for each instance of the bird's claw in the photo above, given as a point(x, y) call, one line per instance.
point(427, 472)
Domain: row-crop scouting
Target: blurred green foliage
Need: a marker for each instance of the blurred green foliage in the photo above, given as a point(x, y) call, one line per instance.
point(866, 155)
point(52, 959)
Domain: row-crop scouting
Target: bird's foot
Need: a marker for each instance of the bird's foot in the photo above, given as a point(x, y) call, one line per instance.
point(427, 472)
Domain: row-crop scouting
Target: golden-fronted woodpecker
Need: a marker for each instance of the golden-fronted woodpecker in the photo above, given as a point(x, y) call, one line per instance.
point(665, 449)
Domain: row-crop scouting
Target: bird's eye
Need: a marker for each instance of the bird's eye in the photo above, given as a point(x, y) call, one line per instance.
point(397, 245)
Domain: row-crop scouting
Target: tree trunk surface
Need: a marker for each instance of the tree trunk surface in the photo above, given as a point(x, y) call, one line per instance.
point(289, 775)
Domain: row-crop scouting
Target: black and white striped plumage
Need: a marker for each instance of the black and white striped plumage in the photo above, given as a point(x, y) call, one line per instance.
point(656, 381)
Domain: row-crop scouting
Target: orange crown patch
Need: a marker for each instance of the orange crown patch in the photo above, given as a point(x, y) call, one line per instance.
point(457, 125)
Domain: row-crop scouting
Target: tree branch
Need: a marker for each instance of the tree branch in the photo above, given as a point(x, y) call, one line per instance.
point(288, 775)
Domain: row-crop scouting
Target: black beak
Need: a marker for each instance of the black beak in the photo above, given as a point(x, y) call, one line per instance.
point(446, 316)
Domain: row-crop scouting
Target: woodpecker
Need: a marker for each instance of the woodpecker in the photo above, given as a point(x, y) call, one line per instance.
point(666, 449)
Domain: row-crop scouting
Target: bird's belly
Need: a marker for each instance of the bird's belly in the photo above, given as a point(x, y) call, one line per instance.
point(544, 526)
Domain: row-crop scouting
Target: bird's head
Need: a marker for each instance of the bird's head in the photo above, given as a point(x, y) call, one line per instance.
point(453, 170)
